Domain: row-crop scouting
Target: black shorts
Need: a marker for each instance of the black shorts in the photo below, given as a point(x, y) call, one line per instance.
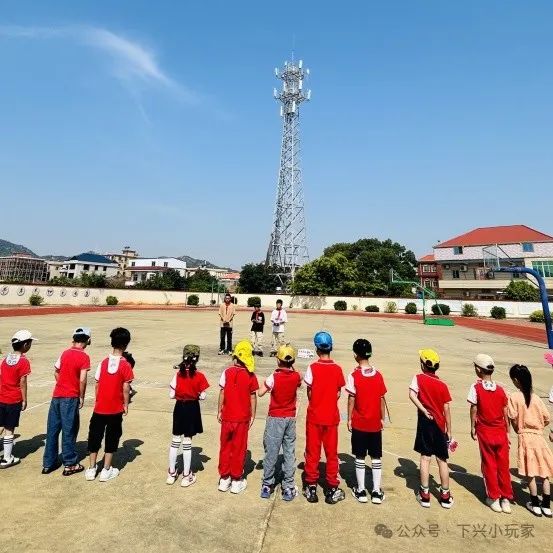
point(111, 426)
point(430, 439)
point(187, 418)
point(366, 443)
point(9, 415)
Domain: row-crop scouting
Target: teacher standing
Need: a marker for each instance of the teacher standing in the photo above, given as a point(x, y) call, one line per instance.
point(227, 310)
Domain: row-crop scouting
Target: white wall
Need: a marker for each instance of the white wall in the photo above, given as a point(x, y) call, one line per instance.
point(541, 250)
point(172, 262)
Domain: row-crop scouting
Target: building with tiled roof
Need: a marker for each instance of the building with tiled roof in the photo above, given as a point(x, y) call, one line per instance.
point(427, 271)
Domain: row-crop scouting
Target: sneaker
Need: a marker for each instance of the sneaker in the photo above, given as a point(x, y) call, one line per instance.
point(90, 473)
point(171, 477)
point(423, 497)
point(109, 474)
point(360, 495)
point(446, 501)
point(288, 494)
point(272, 354)
point(221, 352)
point(377, 497)
point(333, 495)
point(546, 512)
point(238, 486)
point(505, 506)
point(13, 460)
point(260, 353)
point(494, 504)
point(265, 492)
point(188, 480)
point(224, 484)
point(534, 509)
point(310, 492)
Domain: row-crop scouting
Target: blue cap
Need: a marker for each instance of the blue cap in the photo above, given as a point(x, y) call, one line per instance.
point(323, 341)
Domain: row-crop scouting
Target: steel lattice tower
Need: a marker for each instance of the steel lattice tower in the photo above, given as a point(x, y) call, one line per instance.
point(288, 245)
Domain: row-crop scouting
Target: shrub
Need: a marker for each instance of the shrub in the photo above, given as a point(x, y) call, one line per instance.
point(441, 309)
point(253, 301)
point(390, 307)
point(340, 305)
point(469, 310)
point(537, 316)
point(355, 307)
point(193, 299)
point(36, 299)
point(372, 309)
point(521, 290)
point(212, 302)
point(498, 312)
point(411, 308)
point(112, 300)
point(306, 306)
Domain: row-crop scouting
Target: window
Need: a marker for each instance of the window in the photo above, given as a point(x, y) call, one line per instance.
point(527, 247)
point(457, 250)
point(166, 264)
point(133, 264)
point(70, 275)
point(544, 268)
point(153, 263)
point(144, 276)
point(425, 269)
point(72, 266)
point(455, 273)
point(135, 277)
point(432, 268)
point(428, 283)
point(105, 269)
point(86, 267)
point(95, 267)
point(516, 275)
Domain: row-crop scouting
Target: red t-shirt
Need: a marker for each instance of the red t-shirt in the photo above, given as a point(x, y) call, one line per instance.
point(490, 400)
point(433, 394)
point(111, 374)
point(283, 384)
point(69, 366)
point(189, 388)
point(239, 385)
point(325, 379)
point(367, 386)
point(13, 368)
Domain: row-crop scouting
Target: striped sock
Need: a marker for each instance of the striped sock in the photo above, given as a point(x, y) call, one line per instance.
point(360, 473)
point(173, 452)
point(186, 455)
point(8, 446)
point(376, 465)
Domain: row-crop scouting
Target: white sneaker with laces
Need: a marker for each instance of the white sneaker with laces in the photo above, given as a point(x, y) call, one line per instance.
point(108, 474)
point(188, 480)
point(238, 486)
point(171, 477)
point(506, 506)
point(5, 462)
point(494, 505)
point(224, 484)
point(90, 473)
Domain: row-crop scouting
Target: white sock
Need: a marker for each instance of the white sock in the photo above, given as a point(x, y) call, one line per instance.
point(8, 446)
point(173, 452)
point(186, 455)
point(360, 473)
point(377, 474)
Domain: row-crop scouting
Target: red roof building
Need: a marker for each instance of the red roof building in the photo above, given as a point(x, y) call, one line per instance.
point(428, 273)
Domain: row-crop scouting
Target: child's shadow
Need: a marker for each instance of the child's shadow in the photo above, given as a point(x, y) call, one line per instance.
point(471, 482)
point(409, 471)
point(249, 464)
point(27, 447)
point(128, 452)
point(519, 488)
point(198, 461)
point(347, 469)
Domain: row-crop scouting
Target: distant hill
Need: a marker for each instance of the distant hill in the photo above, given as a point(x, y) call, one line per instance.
point(192, 262)
point(9, 248)
point(55, 257)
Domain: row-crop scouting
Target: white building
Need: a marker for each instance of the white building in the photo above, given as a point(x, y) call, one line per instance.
point(144, 268)
point(88, 263)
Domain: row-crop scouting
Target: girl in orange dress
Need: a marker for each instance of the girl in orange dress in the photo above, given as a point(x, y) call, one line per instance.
point(529, 416)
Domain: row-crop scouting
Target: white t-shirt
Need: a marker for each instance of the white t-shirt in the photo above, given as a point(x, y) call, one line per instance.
point(279, 318)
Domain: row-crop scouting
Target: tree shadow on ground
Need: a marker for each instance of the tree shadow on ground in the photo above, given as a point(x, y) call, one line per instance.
point(24, 448)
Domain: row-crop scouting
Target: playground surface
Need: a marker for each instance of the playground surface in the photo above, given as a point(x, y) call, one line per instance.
point(139, 511)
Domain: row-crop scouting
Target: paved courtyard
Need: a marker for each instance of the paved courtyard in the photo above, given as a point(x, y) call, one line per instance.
point(139, 512)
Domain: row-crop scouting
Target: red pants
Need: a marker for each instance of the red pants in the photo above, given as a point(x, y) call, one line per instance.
point(315, 436)
point(232, 454)
point(494, 451)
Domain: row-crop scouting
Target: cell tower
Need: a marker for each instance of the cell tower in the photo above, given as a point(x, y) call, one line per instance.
point(288, 245)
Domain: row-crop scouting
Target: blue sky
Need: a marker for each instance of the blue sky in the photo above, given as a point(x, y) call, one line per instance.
point(152, 124)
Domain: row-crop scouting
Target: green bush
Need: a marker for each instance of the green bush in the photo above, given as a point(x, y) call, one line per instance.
point(521, 290)
point(36, 299)
point(254, 301)
point(112, 300)
point(537, 316)
point(469, 310)
point(390, 307)
point(340, 305)
point(372, 309)
point(193, 299)
point(498, 312)
point(411, 308)
point(441, 309)
point(355, 307)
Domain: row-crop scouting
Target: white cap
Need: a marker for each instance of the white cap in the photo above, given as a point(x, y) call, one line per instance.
point(483, 361)
point(83, 331)
point(22, 336)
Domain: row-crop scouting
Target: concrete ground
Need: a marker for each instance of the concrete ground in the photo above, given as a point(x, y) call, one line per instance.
point(139, 511)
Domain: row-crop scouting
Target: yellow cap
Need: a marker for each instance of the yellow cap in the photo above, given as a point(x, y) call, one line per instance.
point(429, 357)
point(286, 353)
point(243, 351)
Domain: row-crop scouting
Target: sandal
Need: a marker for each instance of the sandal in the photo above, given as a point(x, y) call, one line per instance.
point(68, 471)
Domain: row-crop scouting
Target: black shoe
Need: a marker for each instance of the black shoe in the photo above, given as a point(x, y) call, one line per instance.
point(260, 353)
point(361, 496)
point(48, 470)
point(273, 354)
point(377, 497)
point(333, 495)
point(310, 492)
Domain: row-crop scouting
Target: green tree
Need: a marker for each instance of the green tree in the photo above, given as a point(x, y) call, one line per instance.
point(257, 278)
point(92, 280)
point(168, 280)
point(201, 281)
point(521, 290)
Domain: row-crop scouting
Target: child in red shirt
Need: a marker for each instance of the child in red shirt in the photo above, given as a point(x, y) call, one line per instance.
point(187, 388)
point(236, 413)
point(489, 424)
point(13, 392)
point(113, 382)
point(324, 379)
point(431, 397)
point(366, 413)
point(280, 427)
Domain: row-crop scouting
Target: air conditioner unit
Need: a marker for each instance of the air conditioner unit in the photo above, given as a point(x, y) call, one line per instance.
point(464, 268)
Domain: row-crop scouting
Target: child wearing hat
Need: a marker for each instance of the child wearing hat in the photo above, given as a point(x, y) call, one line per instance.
point(187, 388)
point(431, 397)
point(14, 369)
point(324, 379)
point(236, 413)
point(366, 414)
point(489, 424)
point(280, 427)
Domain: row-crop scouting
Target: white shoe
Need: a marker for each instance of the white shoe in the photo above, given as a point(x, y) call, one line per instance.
point(238, 486)
point(547, 512)
point(6, 463)
point(171, 477)
point(109, 474)
point(188, 480)
point(536, 511)
point(224, 484)
point(90, 473)
point(494, 505)
point(506, 506)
